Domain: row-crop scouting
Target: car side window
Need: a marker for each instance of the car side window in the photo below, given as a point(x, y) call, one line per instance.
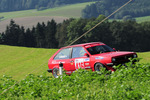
point(78, 52)
point(63, 54)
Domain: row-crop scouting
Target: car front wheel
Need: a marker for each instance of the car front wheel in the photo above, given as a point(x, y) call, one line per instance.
point(98, 66)
point(55, 72)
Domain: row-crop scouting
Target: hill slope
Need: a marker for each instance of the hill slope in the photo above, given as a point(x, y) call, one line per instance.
point(29, 18)
point(19, 61)
point(17, 5)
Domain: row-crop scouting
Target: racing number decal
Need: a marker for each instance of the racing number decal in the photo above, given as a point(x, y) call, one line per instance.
point(79, 63)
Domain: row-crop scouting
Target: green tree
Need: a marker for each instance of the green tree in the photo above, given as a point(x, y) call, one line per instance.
point(50, 32)
point(61, 34)
point(1, 38)
point(21, 38)
point(30, 38)
point(137, 8)
point(12, 34)
point(75, 29)
point(100, 33)
point(40, 35)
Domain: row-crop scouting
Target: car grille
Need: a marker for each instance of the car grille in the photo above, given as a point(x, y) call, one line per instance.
point(123, 59)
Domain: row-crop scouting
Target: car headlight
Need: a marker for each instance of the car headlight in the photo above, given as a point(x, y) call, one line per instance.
point(134, 56)
point(113, 59)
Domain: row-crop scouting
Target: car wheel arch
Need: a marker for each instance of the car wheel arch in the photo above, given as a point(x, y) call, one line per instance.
point(56, 66)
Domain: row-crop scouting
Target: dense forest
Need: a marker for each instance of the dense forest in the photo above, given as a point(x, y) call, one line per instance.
point(16, 5)
point(122, 35)
point(136, 8)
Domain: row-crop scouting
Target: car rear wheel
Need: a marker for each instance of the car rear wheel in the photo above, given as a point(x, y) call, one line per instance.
point(55, 72)
point(98, 66)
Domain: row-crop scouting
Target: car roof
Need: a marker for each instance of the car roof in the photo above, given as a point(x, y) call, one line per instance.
point(84, 44)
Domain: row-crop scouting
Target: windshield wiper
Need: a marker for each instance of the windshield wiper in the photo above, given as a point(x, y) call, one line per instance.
point(104, 51)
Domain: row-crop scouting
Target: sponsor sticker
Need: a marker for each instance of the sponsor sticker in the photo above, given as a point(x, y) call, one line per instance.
point(99, 57)
point(55, 62)
point(69, 72)
point(63, 56)
point(87, 59)
point(79, 63)
point(88, 67)
point(87, 64)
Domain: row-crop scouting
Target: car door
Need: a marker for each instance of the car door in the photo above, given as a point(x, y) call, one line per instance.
point(63, 57)
point(78, 60)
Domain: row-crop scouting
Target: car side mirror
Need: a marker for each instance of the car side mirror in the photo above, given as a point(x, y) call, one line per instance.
point(86, 55)
point(114, 49)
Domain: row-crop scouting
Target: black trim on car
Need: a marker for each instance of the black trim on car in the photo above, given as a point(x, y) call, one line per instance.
point(49, 70)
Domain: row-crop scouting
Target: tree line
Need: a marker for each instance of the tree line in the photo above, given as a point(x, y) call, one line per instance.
point(16, 5)
point(122, 35)
point(41, 36)
point(137, 8)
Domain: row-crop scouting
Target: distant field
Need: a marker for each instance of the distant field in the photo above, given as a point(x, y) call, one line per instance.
point(29, 22)
point(30, 18)
point(20, 61)
point(65, 11)
point(142, 19)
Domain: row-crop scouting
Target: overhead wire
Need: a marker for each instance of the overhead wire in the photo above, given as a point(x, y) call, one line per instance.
point(73, 42)
point(100, 22)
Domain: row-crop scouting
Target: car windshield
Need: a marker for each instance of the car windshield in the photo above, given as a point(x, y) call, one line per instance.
point(99, 49)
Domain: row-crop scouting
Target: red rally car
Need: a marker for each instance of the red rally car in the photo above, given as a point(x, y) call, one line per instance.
point(87, 56)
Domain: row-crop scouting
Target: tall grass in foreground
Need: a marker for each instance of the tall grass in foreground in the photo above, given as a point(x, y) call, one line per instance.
point(128, 83)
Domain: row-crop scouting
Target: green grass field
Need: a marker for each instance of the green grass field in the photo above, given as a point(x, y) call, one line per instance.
point(20, 61)
point(145, 57)
point(142, 19)
point(73, 11)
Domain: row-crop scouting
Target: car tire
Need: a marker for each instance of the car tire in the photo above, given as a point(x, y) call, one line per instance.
point(98, 66)
point(55, 72)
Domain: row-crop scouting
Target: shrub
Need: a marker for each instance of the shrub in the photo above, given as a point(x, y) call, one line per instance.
point(130, 82)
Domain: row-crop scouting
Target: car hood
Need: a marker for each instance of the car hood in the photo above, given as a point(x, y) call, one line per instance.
point(115, 54)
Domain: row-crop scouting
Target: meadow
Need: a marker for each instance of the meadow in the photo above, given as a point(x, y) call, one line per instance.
point(21, 61)
point(26, 68)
